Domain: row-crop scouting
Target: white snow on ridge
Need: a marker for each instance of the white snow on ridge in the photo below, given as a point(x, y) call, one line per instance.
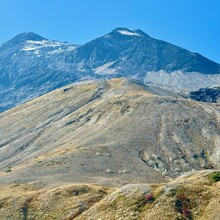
point(130, 33)
point(35, 45)
point(46, 42)
point(30, 48)
point(60, 50)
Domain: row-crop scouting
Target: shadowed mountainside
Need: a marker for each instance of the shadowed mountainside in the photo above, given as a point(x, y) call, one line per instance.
point(206, 95)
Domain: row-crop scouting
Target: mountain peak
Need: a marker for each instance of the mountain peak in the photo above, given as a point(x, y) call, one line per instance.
point(22, 37)
point(128, 32)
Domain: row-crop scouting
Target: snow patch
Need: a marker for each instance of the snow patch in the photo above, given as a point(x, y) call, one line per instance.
point(61, 50)
point(129, 33)
point(36, 45)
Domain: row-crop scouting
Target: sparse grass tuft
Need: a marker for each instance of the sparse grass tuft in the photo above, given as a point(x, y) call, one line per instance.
point(7, 169)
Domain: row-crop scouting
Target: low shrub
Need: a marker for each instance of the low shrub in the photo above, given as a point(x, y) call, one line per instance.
point(215, 176)
point(182, 204)
point(149, 198)
point(186, 212)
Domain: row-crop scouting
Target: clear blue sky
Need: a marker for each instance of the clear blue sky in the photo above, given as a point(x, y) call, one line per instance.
point(192, 24)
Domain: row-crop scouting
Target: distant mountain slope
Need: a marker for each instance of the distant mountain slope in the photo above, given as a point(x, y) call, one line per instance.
point(125, 52)
point(107, 132)
point(31, 65)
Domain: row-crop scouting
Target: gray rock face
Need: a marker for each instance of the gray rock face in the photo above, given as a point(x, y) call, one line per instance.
point(31, 65)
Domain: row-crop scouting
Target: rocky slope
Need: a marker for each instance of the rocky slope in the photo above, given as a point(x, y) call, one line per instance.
point(31, 65)
point(107, 132)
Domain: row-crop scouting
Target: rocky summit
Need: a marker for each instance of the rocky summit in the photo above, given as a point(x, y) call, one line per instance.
point(31, 65)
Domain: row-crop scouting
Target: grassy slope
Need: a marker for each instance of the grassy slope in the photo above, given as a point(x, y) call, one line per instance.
point(84, 202)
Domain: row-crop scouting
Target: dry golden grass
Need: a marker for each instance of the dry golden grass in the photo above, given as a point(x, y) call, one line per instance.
point(203, 196)
point(90, 202)
point(30, 201)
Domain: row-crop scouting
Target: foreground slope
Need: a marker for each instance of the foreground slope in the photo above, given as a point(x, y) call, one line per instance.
point(192, 196)
point(107, 132)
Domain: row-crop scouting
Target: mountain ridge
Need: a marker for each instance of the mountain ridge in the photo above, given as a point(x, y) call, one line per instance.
point(31, 65)
point(26, 36)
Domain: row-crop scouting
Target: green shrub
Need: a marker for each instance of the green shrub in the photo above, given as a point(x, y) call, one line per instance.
point(215, 176)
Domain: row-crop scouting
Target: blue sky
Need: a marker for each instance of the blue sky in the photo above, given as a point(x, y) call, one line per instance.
point(192, 24)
